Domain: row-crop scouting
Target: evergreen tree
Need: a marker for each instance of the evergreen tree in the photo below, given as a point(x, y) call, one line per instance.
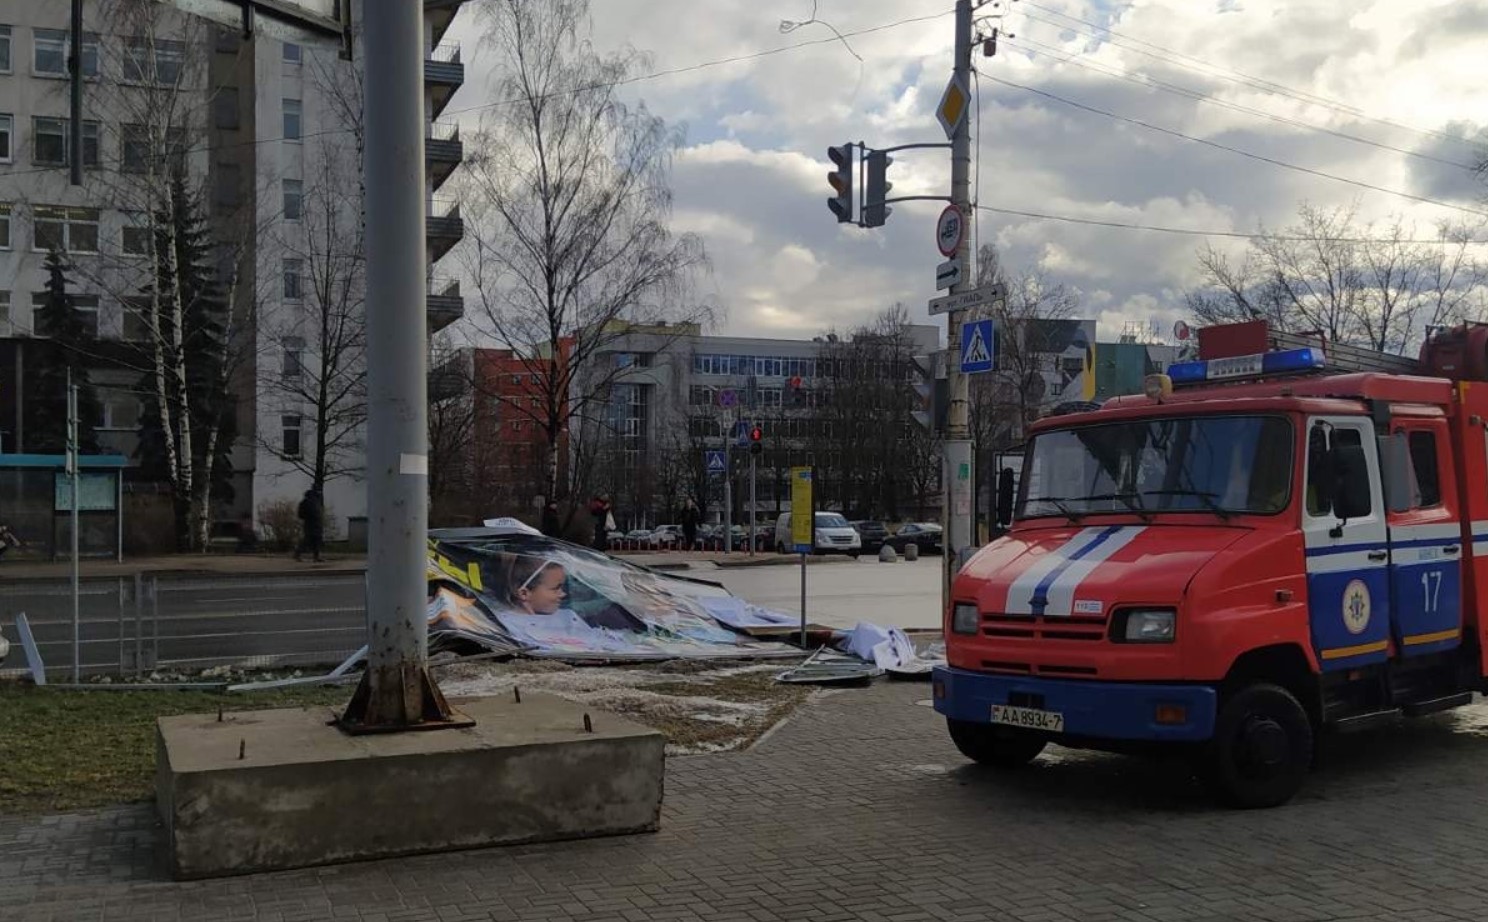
point(67, 347)
point(184, 356)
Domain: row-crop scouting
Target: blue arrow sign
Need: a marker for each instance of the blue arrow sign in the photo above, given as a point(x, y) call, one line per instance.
point(714, 461)
point(978, 347)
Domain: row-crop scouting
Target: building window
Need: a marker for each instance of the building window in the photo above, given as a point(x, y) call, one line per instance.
point(5, 312)
point(294, 199)
point(72, 229)
point(163, 67)
point(228, 41)
point(120, 412)
point(4, 49)
point(292, 117)
point(136, 147)
point(7, 128)
point(290, 435)
point(228, 185)
point(5, 226)
point(137, 320)
point(292, 53)
point(49, 141)
point(225, 108)
point(294, 358)
point(50, 53)
point(85, 306)
point(135, 237)
point(293, 272)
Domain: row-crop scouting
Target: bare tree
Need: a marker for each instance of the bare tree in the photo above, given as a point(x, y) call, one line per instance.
point(312, 320)
point(567, 205)
point(1379, 285)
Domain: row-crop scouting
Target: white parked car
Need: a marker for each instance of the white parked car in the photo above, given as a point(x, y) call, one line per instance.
point(666, 536)
point(833, 535)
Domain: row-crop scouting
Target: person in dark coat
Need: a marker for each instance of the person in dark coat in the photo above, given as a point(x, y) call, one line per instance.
point(312, 526)
point(551, 526)
point(599, 509)
point(692, 517)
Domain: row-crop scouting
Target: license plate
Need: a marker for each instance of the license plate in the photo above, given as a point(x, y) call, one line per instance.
point(1029, 718)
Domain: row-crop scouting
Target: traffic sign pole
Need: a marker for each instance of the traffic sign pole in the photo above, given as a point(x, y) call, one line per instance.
point(958, 461)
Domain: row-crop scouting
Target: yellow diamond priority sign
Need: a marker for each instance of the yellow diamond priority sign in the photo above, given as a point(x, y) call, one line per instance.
point(953, 105)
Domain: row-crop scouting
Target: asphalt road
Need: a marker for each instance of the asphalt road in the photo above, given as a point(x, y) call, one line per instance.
point(840, 594)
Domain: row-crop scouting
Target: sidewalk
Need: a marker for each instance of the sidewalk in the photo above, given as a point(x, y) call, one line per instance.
point(220, 563)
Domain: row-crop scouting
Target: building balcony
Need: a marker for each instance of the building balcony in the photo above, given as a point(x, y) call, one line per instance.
point(443, 151)
point(439, 14)
point(443, 227)
point(448, 381)
point(444, 73)
point(445, 305)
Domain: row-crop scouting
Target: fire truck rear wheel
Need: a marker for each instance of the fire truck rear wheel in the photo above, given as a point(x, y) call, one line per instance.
point(1261, 750)
point(998, 747)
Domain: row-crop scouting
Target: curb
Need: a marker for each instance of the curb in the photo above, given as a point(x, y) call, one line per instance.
point(778, 560)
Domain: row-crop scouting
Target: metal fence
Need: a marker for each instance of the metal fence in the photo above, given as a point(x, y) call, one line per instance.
point(136, 625)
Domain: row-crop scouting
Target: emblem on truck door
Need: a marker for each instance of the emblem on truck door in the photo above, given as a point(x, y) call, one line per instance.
point(1356, 606)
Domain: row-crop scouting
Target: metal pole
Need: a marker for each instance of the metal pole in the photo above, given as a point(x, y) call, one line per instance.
point(728, 498)
point(803, 599)
point(72, 469)
point(752, 484)
point(75, 66)
point(958, 462)
point(396, 690)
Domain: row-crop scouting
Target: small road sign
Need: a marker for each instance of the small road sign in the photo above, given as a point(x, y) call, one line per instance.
point(714, 461)
point(728, 398)
point(947, 274)
point(948, 230)
point(953, 105)
point(987, 294)
point(978, 347)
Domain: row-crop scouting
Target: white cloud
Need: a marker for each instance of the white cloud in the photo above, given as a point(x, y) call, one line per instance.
point(752, 179)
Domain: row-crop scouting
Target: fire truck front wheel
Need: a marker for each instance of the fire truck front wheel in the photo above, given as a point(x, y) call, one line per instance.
point(995, 746)
point(1261, 750)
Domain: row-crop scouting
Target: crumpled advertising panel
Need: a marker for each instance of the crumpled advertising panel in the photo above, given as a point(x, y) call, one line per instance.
point(541, 597)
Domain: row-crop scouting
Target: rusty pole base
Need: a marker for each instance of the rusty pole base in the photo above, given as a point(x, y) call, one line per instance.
point(395, 699)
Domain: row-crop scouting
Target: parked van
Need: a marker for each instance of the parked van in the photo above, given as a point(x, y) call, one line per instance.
point(833, 535)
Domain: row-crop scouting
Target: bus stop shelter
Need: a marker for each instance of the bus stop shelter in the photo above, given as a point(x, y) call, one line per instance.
point(36, 504)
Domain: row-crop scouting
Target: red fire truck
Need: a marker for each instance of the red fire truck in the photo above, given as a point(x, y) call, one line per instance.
point(1277, 538)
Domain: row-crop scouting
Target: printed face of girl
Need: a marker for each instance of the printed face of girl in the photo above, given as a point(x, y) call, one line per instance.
point(544, 594)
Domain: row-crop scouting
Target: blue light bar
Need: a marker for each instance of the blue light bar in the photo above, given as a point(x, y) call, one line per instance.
point(1291, 361)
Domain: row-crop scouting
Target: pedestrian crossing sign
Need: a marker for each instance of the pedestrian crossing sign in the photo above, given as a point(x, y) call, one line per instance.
point(978, 347)
point(715, 463)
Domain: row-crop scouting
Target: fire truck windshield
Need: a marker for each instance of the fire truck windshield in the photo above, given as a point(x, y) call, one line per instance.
point(1223, 465)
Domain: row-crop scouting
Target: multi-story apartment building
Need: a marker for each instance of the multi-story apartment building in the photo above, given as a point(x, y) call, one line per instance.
point(268, 133)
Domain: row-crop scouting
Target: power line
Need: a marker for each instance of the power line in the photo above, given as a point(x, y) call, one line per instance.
point(1234, 150)
point(1144, 80)
point(1195, 232)
point(1177, 58)
point(719, 62)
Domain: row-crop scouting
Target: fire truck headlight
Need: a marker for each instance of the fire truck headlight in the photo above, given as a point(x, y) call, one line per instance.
point(1156, 625)
point(964, 618)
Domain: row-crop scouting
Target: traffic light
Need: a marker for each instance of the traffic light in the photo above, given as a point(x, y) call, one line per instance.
point(841, 180)
point(876, 189)
point(756, 439)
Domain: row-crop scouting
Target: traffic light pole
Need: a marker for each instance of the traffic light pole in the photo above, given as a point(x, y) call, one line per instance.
point(751, 539)
point(957, 480)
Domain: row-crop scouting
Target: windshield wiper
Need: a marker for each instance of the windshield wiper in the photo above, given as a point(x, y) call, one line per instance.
point(1202, 496)
point(1058, 502)
point(1131, 500)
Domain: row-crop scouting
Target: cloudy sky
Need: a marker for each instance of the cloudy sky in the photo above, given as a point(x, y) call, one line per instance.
point(1404, 75)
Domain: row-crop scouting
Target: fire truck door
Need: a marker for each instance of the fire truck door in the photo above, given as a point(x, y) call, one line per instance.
point(1425, 542)
point(1343, 526)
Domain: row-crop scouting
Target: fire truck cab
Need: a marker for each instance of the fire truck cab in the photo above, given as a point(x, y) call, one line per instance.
point(1264, 545)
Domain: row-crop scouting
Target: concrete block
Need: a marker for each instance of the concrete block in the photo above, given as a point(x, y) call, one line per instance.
point(887, 554)
point(911, 551)
point(303, 793)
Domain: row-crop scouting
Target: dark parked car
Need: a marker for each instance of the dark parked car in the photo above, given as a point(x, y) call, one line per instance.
point(873, 535)
point(924, 534)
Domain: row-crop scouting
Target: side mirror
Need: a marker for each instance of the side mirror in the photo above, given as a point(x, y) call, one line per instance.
point(1322, 475)
point(1005, 496)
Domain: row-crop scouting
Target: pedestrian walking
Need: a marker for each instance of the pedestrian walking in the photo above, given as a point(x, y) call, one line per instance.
point(311, 512)
point(8, 540)
point(551, 526)
point(692, 517)
point(604, 520)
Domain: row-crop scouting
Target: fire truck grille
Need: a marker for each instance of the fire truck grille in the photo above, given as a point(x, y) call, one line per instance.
point(1037, 627)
